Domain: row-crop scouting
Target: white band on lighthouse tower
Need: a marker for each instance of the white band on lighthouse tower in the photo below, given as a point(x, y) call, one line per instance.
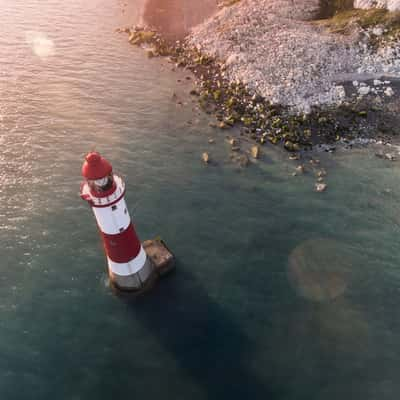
point(112, 222)
point(131, 267)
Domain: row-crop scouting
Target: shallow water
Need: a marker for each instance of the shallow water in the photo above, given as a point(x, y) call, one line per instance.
point(279, 293)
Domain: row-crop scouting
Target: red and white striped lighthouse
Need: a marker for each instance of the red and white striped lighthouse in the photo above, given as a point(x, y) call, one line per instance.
point(128, 265)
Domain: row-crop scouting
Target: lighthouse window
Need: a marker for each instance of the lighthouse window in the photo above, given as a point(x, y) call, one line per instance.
point(113, 208)
point(125, 211)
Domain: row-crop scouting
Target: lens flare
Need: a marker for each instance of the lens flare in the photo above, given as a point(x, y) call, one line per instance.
point(41, 45)
point(319, 269)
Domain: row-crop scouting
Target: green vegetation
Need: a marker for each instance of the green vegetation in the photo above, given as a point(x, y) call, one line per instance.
point(233, 103)
point(343, 21)
point(141, 37)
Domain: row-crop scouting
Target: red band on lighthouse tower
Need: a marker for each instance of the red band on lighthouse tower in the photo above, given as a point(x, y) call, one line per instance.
point(122, 247)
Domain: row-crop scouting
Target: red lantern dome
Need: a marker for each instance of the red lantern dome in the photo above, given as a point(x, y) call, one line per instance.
point(95, 166)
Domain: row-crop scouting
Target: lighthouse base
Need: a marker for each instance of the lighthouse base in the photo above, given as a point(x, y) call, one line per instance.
point(155, 259)
point(136, 281)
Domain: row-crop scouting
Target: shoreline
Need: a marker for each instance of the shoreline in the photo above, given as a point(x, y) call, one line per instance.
point(363, 114)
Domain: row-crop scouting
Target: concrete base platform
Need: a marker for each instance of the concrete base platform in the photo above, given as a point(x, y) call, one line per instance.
point(160, 261)
point(135, 282)
point(161, 257)
point(123, 291)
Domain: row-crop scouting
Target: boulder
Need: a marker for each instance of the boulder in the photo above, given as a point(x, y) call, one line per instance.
point(320, 187)
point(255, 151)
point(206, 158)
point(389, 92)
point(300, 169)
point(289, 146)
point(364, 90)
point(390, 156)
point(132, 36)
point(377, 31)
point(147, 36)
point(140, 37)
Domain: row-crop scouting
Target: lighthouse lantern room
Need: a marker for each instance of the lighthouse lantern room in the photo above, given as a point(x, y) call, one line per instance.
point(129, 266)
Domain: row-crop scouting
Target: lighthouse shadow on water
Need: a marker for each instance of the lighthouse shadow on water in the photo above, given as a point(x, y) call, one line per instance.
point(204, 340)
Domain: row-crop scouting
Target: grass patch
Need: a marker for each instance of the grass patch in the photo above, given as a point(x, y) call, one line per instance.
point(342, 21)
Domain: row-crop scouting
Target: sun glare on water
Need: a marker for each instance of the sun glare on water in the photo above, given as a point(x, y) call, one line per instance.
point(41, 45)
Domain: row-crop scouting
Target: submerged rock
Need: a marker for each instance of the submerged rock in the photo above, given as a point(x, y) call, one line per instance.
point(150, 53)
point(243, 160)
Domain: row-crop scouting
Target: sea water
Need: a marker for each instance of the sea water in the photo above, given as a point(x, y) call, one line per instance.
point(279, 293)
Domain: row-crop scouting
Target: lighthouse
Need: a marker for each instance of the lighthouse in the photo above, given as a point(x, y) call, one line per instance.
point(128, 264)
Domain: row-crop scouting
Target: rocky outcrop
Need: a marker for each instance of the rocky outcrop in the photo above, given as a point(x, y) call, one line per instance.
point(273, 48)
point(257, 61)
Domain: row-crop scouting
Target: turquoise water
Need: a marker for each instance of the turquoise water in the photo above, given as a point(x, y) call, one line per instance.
point(279, 292)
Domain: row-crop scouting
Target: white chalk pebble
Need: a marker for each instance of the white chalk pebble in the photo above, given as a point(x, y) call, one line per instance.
point(389, 92)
